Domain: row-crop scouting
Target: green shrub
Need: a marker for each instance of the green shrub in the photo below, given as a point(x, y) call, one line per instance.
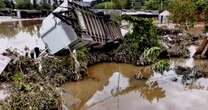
point(151, 55)
point(161, 66)
point(82, 54)
point(144, 35)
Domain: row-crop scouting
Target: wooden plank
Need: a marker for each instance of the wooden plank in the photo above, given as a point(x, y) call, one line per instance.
point(202, 46)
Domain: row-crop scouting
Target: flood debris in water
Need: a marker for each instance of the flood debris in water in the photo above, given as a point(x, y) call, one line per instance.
point(3, 62)
point(176, 43)
point(38, 86)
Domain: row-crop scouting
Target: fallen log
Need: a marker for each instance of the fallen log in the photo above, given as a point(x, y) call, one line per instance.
point(202, 46)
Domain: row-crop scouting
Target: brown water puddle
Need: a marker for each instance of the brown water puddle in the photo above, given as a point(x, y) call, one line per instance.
point(20, 34)
point(112, 87)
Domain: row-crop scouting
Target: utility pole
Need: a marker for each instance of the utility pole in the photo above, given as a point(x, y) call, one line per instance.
point(161, 5)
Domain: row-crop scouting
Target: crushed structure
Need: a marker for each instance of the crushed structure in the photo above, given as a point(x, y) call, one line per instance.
point(74, 26)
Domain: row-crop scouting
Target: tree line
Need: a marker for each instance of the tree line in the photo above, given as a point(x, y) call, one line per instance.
point(185, 12)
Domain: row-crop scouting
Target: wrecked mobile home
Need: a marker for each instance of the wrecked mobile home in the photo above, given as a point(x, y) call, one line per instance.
point(75, 26)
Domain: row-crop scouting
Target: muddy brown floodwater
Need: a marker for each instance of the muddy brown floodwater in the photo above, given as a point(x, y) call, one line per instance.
point(112, 87)
point(20, 34)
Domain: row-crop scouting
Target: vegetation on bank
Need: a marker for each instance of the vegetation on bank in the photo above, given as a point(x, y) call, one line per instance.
point(161, 66)
point(31, 94)
point(34, 82)
point(151, 55)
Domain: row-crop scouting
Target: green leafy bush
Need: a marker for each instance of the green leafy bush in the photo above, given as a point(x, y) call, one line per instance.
point(161, 66)
point(144, 35)
point(151, 55)
point(82, 54)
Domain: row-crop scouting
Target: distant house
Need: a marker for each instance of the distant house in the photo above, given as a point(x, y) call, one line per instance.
point(164, 17)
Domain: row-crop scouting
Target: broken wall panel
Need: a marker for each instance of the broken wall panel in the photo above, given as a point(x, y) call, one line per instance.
point(87, 27)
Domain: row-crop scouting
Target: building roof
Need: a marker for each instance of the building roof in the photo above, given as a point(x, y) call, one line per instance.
point(165, 13)
point(140, 13)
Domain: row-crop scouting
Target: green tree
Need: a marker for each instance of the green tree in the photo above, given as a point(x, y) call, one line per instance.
point(120, 3)
point(8, 4)
point(201, 5)
point(23, 4)
point(183, 12)
point(114, 4)
point(2, 4)
point(157, 4)
point(46, 6)
point(105, 5)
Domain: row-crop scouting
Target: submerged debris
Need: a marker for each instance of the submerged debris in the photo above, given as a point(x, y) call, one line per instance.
point(189, 74)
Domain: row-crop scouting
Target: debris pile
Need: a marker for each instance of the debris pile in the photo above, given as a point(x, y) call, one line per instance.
point(36, 80)
point(176, 43)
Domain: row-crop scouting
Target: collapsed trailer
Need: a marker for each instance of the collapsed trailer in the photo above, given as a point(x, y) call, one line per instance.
point(73, 26)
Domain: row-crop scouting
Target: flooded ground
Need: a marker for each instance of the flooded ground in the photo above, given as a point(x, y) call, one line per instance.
point(20, 34)
point(113, 87)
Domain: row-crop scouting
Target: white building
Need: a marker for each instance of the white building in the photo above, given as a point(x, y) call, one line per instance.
point(164, 17)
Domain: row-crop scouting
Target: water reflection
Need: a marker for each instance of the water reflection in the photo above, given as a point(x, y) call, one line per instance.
point(111, 87)
point(112, 81)
point(117, 83)
point(20, 34)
